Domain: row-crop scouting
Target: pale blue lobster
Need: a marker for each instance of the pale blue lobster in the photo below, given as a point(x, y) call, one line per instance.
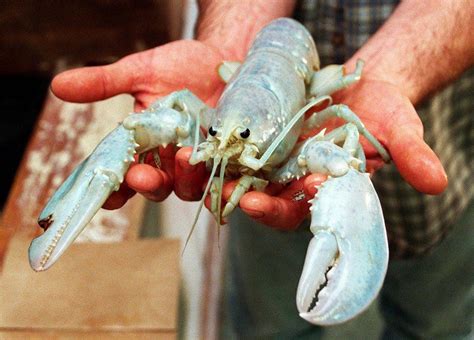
point(253, 134)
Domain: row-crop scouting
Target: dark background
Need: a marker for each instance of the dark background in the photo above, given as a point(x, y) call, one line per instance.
point(38, 39)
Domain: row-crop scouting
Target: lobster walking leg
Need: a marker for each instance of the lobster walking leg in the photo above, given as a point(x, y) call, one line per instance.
point(332, 78)
point(243, 185)
point(227, 69)
point(344, 112)
point(321, 154)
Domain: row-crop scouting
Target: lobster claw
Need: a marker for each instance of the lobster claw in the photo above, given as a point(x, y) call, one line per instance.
point(347, 258)
point(170, 120)
point(83, 193)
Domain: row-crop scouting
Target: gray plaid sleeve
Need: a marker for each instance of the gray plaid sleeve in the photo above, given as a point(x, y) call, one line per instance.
point(415, 222)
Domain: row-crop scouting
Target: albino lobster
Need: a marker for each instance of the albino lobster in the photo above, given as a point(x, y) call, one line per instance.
point(253, 134)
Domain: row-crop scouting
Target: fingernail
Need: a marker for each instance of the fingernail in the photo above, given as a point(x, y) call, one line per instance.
point(186, 168)
point(254, 213)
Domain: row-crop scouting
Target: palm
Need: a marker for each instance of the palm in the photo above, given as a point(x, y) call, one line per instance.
point(391, 117)
point(388, 115)
point(147, 75)
point(178, 65)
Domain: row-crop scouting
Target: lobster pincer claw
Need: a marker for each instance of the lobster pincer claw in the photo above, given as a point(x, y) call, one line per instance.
point(81, 196)
point(347, 258)
point(170, 120)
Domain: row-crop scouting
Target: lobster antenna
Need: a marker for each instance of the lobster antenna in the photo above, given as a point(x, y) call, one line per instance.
point(217, 160)
point(196, 135)
point(267, 154)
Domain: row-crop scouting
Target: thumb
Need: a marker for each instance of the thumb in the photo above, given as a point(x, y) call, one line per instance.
point(88, 84)
point(416, 162)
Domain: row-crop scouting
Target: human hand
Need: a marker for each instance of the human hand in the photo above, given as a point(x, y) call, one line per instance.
point(392, 119)
point(175, 66)
point(147, 76)
point(396, 78)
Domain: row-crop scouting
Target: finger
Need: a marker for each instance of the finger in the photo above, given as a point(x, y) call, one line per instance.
point(118, 198)
point(416, 162)
point(414, 159)
point(285, 211)
point(189, 179)
point(88, 84)
point(374, 164)
point(155, 184)
point(401, 130)
point(167, 159)
point(311, 184)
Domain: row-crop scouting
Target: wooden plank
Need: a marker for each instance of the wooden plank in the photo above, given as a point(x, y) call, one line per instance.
point(92, 335)
point(130, 286)
point(65, 134)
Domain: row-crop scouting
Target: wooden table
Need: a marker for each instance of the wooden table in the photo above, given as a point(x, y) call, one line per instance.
point(65, 134)
point(49, 38)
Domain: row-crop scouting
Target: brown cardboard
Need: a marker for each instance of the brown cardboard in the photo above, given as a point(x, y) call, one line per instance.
point(92, 335)
point(128, 287)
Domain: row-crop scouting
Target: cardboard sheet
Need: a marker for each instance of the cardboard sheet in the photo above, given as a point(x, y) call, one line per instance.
point(127, 287)
point(92, 335)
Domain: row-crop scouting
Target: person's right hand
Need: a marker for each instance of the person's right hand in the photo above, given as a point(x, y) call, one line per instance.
point(148, 76)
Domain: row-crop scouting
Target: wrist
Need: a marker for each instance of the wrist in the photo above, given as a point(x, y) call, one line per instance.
point(231, 26)
point(378, 70)
point(423, 46)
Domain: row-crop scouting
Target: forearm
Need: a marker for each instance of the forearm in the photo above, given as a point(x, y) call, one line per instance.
point(231, 25)
point(422, 46)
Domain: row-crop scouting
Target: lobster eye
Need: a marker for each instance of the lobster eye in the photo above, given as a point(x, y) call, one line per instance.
point(245, 133)
point(212, 132)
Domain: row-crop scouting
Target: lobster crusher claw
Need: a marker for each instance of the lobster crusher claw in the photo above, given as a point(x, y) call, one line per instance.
point(347, 248)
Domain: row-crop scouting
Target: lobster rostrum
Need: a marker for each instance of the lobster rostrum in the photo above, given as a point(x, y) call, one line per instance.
point(253, 135)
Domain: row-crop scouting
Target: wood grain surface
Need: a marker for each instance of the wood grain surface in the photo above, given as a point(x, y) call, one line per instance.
point(130, 286)
point(65, 134)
